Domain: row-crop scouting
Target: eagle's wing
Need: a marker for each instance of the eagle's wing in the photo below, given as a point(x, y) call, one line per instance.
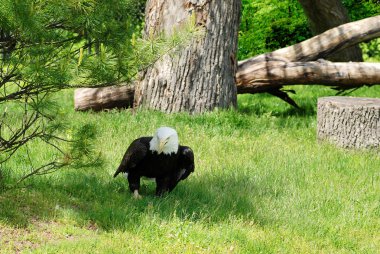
point(136, 151)
point(184, 169)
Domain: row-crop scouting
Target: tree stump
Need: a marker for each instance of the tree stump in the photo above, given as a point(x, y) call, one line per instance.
point(349, 122)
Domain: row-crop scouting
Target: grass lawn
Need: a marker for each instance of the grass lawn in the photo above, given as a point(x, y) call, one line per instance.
point(262, 184)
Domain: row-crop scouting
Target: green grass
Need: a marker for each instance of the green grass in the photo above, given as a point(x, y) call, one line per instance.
point(262, 184)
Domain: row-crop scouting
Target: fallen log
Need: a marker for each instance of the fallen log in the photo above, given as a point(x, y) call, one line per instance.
point(261, 76)
point(287, 66)
point(103, 98)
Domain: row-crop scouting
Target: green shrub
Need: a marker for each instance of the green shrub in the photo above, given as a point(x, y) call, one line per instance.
point(270, 24)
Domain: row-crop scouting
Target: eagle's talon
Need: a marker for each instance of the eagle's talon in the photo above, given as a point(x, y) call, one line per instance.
point(136, 195)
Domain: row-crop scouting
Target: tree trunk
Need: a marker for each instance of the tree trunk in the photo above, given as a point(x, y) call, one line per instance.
point(326, 14)
point(201, 77)
point(349, 122)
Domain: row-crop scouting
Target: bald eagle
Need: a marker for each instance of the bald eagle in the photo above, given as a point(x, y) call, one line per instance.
point(159, 157)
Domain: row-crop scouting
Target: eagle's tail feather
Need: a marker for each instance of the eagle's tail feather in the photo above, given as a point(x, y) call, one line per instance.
point(119, 170)
point(116, 173)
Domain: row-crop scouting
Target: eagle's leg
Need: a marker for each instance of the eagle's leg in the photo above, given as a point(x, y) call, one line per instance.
point(163, 184)
point(134, 185)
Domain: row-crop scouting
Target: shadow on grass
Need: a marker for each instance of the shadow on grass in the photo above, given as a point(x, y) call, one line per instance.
point(307, 109)
point(89, 200)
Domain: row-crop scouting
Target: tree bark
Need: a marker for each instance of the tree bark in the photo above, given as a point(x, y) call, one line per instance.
point(349, 122)
point(201, 77)
point(326, 14)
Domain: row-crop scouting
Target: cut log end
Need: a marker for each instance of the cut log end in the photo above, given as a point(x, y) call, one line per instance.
point(349, 122)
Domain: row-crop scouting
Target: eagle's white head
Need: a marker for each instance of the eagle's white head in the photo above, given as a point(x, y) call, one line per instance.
point(165, 141)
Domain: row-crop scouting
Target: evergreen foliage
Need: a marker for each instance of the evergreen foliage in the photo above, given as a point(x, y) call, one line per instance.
point(50, 45)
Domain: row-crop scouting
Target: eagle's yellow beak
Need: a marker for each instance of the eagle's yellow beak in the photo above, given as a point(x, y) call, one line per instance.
point(161, 146)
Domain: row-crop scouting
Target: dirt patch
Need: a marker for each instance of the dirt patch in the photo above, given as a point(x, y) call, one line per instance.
point(16, 240)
